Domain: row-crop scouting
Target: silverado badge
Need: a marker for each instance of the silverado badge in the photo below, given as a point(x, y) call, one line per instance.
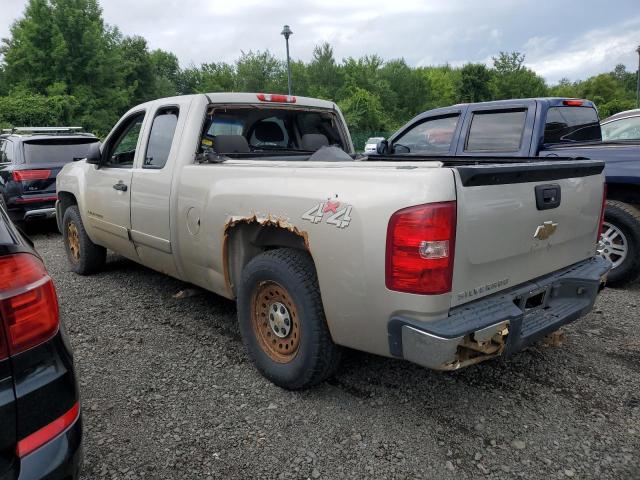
point(545, 230)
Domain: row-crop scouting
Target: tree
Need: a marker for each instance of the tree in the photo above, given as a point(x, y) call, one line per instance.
point(325, 77)
point(512, 79)
point(260, 72)
point(363, 111)
point(166, 71)
point(475, 81)
point(137, 70)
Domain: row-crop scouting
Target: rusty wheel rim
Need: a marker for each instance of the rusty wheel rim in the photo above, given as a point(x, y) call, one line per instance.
point(275, 322)
point(73, 240)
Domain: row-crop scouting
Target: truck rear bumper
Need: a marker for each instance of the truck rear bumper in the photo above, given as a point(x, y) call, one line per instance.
point(501, 324)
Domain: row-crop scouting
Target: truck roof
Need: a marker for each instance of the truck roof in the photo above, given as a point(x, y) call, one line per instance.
point(253, 98)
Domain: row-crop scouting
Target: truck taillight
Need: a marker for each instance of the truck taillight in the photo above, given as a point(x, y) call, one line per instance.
point(602, 210)
point(28, 302)
point(573, 103)
point(420, 249)
point(271, 97)
point(26, 175)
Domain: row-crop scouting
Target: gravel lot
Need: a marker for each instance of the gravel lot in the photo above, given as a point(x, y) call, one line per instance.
point(168, 393)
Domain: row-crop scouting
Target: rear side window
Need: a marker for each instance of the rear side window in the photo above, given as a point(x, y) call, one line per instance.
point(496, 131)
point(6, 152)
point(623, 129)
point(56, 151)
point(161, 138)
point(572, 124)
point(431, 137)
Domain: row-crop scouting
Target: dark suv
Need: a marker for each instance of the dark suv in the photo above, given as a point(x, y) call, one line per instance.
point(40, 422)
point(30, 159)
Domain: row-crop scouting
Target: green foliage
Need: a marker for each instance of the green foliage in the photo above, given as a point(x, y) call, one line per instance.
point(63, 65)
point(363, 111)
point(511, 79)
point(32, 109)
point(475, 83)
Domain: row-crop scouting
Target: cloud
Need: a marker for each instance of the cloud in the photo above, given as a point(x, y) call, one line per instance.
point(594, 51)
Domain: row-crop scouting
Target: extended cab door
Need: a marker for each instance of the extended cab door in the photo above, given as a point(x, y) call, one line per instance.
point(152, 183)
point(498, 130)
point(108, 191)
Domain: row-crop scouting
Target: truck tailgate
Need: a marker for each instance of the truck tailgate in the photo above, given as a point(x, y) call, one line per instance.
point(506, 236)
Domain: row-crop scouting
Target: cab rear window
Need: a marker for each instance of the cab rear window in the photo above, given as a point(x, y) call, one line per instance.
point(572, 124)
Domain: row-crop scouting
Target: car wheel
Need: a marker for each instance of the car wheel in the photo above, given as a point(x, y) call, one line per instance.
point(84, 256)
point(620, 242)
point(282, 320)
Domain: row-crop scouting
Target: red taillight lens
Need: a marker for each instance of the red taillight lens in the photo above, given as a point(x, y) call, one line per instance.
point(26, 175)
point(602, 210)
point(48, 432)
point(269, 97)
point(28, 302)
point(420, 249)
point(573, 103)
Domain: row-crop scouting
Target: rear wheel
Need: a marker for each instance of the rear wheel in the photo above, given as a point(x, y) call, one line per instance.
point(84, 256)
point(282, 320)
point(620, 242)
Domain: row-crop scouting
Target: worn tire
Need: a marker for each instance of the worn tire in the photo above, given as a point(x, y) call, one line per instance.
point(89, 257)
point(626, 218)
point(292, 273)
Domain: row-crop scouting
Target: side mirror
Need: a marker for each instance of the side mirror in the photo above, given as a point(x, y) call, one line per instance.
point(94, 156)
point(382, 147)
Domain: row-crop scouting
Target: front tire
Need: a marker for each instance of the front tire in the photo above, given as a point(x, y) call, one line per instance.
point(620, 242)
point(282, 320)
point(85, 257)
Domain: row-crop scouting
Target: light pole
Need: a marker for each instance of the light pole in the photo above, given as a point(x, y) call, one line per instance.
point(286, 31)
point(638, 86)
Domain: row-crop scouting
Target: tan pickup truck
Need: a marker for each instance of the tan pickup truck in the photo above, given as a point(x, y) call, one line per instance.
point(260, 198)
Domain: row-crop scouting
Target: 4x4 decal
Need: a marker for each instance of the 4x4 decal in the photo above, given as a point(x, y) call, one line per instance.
point(340, 217)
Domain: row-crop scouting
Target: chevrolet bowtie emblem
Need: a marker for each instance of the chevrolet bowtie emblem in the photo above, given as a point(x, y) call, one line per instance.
point(545, 230)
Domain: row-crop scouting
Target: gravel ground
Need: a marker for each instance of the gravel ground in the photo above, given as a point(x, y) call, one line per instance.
point(168, 393)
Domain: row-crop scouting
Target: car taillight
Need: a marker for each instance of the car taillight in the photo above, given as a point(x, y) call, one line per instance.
point(573, 103)
point(420, 249)
point(26, 175)
point(602, 210)
point(28, 302)
point(268, 97)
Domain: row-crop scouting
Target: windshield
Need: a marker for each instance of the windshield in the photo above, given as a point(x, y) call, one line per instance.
point(58, 151)
point(247, 129)
point(572, 124)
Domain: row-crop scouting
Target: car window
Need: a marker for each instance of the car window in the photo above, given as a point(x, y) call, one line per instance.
point(6, 152)
point(432, 136)
point(571, 124)
point(622, 129)
point(123, 151)
point(161, 138)
point(496, 131)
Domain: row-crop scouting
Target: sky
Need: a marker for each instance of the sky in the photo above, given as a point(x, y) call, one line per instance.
point(561, 38)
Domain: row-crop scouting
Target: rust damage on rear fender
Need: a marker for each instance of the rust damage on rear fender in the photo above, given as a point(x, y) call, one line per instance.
point(268, 221)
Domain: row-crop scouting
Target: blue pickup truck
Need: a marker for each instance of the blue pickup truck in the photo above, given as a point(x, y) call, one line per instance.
point(544, 127)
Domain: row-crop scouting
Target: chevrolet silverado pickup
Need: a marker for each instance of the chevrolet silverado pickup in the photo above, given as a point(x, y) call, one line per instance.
point(543, 127)
point(261, 198)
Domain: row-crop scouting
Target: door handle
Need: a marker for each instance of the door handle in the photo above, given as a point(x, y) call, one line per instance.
point(120, 186)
